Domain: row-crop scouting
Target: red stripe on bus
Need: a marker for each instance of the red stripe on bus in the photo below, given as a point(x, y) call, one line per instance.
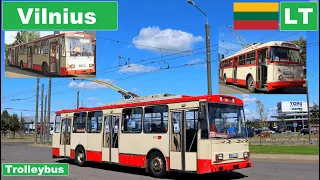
point(204, 166)
point(94, 156)
point(252, 24)
point(37, 67)
point(211, 98)
point(285, 84)
point(230, 166)
point(72, 154)
point(25, 65)
point(168, 163)
point(229, 80)
point(132, 160)
point(55, 152)
point(241, 82)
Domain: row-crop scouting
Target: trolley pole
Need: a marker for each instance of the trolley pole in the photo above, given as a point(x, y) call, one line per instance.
point(41, 119)
point(45, 119)
point(207, 27)
point(36, 115)
point(49, 106)
point(78, 98)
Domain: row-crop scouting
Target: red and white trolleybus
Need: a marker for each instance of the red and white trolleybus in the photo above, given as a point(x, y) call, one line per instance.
point(161, 133)
point(59, 54)
point(264, 66)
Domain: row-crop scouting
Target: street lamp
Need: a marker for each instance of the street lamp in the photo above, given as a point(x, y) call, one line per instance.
point(207, 27)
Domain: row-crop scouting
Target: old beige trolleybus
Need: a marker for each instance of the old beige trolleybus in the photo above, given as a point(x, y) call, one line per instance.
point(59, 54)
point(264, 66)
point(201, 134)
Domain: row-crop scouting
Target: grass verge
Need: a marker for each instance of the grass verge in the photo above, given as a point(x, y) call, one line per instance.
point(278, 149)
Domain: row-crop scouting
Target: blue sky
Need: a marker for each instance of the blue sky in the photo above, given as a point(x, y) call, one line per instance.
point(166, 24)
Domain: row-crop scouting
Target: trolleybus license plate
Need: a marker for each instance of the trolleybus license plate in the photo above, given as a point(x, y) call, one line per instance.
point(234, 155)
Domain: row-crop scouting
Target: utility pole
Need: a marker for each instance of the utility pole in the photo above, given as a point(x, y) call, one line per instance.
point(22, 124)
point(49, 105)
point(207, 27)
point(36, 115)
point(78, 94)
point(309, 116)
point(41, 119)
point(45, 118)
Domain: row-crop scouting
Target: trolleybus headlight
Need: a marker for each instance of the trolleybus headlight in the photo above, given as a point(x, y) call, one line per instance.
point(246, 154)
point(219, 156)
point(90, 65)
point(71, 66)
point(280, 77)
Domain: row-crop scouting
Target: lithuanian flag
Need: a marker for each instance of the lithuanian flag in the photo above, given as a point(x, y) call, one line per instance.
point(256, 15)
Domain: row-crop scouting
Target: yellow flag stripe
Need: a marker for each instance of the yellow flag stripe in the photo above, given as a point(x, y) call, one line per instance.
point(256, 7)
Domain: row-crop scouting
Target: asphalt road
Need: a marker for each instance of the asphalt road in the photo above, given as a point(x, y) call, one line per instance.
point(14, 72)
point(233, 89)
point(22, 152)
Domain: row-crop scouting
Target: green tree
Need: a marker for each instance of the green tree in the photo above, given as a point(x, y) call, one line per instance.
point(14, 124)
point(22, 127)
point(302, 43)
point(5, 116)
point(314, 110)
point(26, 36)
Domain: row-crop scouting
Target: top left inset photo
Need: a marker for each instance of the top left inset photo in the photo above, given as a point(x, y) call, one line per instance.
point(41, 54)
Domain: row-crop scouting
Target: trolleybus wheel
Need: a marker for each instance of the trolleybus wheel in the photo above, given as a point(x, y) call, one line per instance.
point(157, 165)
point(80, 156)
point(250, 85)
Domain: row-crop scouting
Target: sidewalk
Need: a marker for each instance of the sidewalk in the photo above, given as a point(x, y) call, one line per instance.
point(285, 157)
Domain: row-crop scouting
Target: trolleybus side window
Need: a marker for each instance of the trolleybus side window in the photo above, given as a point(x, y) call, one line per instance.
point(94, 122)
point(242, 60)
point(36, 48)
point(79, 122)
point(57, 123)
point(132, 120)
point(155, 119)
point(251, 57)
point(44, 47)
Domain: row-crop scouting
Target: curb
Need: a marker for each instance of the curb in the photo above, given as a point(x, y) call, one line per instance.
point(286, 157)
point(41, 145)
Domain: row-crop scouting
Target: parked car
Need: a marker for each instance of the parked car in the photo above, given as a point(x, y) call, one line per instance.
point(258, 131)
point(250, 132)
point(268, 131)
point(304, 131)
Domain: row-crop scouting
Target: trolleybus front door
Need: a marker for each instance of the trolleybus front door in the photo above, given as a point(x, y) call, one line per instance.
point(235, 70)
point(30, 53)
point(110, 152)
point(183, 150)
point(65, 137)
point(53, 57)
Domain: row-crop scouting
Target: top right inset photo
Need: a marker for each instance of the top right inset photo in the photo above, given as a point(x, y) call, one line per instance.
point(262, 61)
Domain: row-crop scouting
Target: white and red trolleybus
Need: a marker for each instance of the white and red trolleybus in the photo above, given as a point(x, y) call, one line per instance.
point(264, 66)
point(161, 133)
point(59, 54)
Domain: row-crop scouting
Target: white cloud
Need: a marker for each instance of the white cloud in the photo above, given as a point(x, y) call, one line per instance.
point(137, 68)
point(196, 61)
point(9, 36)
point(93, 99)
point(134, 89)
point(165, 39)
point(87, 84)
point(248, 100)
